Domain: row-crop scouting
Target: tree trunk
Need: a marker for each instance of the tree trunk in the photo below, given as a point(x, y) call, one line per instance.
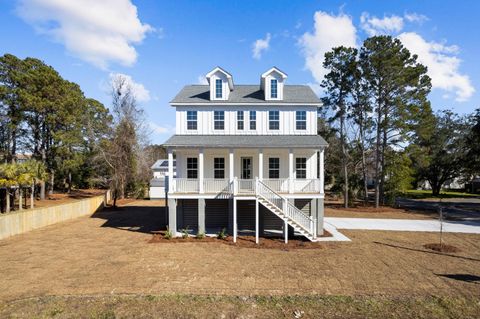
point(32, 194)
point(20, 198)
point(377, 161)
point(69, 182)
point(344, 161)
point(52, 181)
point(7, 201)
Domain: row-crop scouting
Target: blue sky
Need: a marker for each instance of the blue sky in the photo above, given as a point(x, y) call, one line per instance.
point(163, 45)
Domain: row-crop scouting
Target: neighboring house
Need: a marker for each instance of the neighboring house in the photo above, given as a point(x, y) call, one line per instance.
point(248, 158)
point(159, 182)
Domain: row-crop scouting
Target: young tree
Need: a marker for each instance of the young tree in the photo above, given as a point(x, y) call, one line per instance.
point(338, 84)
point(397, 88)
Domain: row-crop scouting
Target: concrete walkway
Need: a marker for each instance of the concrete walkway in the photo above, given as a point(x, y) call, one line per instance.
point(471, 227)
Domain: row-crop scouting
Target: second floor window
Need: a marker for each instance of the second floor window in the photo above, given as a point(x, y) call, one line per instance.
point(218, 88)
point(240, 119)
point(253, 120)
point(301, 120)
point(191, 120)
point(219, 120)
point(273, 89)
point(301, 167)
point(273, 167)
point(192, 167)
point(274, 120)
point(219, 167)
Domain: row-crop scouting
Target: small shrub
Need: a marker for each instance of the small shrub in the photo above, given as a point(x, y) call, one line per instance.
point(222, 234)
point(168, 234)
point(201, 235)
point(185, 233)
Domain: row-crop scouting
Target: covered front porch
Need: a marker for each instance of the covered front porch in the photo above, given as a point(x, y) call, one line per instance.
point(234, 171)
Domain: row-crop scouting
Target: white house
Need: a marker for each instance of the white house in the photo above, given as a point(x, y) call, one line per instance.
point(248, 158)
point(159, 182)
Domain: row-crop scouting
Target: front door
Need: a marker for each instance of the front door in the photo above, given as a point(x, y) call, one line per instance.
point(246, 168)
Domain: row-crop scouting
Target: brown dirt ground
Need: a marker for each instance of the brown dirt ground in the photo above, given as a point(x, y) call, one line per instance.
point(336, 209)
point(246, 241)
point(109, 253)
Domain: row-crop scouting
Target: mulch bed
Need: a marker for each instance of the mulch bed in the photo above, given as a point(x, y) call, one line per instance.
point(295, 242)
point(444, 248)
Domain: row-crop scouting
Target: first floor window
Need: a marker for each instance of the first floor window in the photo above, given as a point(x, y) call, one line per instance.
point(253, 120)
point(219, 120)
point(218, 88)
point(273, 167)
point(219, 167)
point(240, 120)
point(274, 120)
point(192, 167)
point(301, 120)
point(301, 167)
point(191, 120)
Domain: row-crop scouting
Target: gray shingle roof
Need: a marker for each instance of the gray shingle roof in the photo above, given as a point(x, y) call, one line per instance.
point(292, 94)
point(265, 141)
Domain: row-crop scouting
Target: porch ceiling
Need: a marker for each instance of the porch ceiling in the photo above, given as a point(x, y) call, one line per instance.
point(247, 141)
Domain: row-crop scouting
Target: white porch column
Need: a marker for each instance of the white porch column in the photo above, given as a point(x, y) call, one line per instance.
point(234, 220)
point(290, 170)
point(171, 187)
point(200, 171)
point(285, 229)
point(260, 164)
point(230, 165)
point(322, 172)
point(257, 231)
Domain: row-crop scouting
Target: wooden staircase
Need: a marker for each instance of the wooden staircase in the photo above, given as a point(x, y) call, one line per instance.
point(280, 206)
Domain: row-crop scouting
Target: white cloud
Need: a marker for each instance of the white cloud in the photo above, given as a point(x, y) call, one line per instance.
point(386, 25)
point(201, 79)
point(99, 32)
point(261, 45)
point(139, 91)
point(329, 31)
point(158, 129)
point(415, 17)
point(443, 65)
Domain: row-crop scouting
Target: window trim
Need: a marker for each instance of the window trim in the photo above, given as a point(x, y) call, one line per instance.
point(271, 88)
point(192, 169)
point(300, 169)
point(240, 120)
point(194, 122)
point(270, 121)
point(219, 169)
point(215, 120)
point(218, 95)
point(253, 120)
point(302, 122)
point(274, 169)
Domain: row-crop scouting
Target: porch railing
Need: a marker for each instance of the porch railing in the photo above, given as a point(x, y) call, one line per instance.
point(245, 186)
point(213, 185)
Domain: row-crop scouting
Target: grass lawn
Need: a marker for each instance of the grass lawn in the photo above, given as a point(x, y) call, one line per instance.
point(421, 194)
point(186, 306)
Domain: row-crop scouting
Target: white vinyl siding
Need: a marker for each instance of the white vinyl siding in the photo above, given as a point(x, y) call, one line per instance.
point(205, 120)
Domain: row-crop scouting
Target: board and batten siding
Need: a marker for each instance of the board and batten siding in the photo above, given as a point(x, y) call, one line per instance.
point(205, 122)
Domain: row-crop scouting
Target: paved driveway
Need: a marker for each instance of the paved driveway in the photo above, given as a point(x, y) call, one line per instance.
point(471, 227)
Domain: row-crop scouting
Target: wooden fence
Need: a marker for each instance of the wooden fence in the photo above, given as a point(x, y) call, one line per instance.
point(19, 222)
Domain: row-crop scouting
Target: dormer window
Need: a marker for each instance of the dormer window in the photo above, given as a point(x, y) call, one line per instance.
point(218, 88)
point(274, 88)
